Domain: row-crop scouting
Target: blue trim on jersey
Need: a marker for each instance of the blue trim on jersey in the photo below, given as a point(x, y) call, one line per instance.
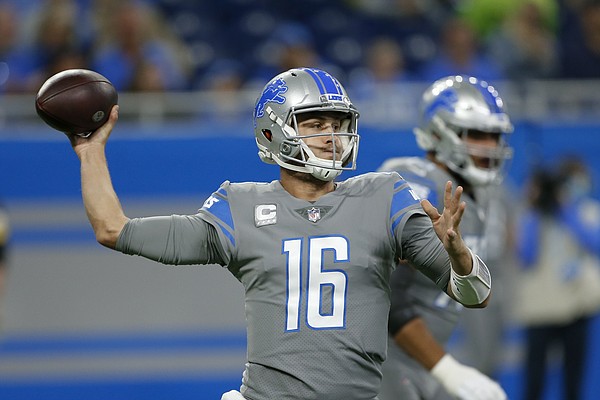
point(219, 208)
point(399, 184)
point(326, 83)
point(226, 233)
point(401, 200)
point(415, 181)
point(222, 192)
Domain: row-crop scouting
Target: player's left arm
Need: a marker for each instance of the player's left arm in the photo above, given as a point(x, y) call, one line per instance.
point(470, 280)
point(422, 247)
point(438, 251)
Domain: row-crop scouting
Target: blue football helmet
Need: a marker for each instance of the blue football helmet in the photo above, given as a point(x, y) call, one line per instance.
point(297, 91)
point(450, 108)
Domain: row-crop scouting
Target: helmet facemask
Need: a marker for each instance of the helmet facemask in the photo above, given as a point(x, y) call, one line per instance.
point(296, 154)
point(460, 154)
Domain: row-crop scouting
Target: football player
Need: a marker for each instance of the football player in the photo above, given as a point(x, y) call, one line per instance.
point(314, 255)
point(463, 127)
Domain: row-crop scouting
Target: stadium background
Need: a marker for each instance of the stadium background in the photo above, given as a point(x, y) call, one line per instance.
point(82, 322)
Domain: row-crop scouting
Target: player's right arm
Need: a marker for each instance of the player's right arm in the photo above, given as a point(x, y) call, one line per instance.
point(101, 203)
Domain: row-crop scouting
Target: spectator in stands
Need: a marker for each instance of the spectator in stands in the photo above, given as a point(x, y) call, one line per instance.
point(384, 65)
point(27, 63)
point(460, 52)
point(132, 38)
point(524, 46)
point(579, 35)
point(383, 69)
point(558, 288)
point(435, 11)
point(290, 46)
point(13, 62)
point(222, 81)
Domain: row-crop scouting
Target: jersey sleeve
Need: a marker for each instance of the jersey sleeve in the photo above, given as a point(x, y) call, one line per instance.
point(415, 236)
point(424, 250)
point(202, 238)
point(424, 188)
point(412, 171)
point(175, 240)
point(216, 211)
point(405, 203)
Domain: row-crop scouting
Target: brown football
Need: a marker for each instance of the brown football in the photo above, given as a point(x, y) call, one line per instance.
point(76, 101)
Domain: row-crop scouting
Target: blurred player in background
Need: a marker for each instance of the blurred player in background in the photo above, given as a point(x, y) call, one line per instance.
point(4, 232)
point(314, 255)
point(462, 128)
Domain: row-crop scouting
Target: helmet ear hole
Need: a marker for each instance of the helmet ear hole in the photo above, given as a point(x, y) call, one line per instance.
point(267, 134)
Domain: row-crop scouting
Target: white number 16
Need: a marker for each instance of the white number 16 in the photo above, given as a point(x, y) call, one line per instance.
point(317, 279)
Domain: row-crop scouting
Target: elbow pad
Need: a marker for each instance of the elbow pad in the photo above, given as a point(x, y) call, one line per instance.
point(474, 288)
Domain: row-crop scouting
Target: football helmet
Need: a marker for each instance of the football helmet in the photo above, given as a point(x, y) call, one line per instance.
point(297, 91)
point(452, 107)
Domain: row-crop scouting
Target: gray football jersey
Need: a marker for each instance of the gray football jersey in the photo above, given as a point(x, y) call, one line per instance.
point(435, 307)
point(316, 277)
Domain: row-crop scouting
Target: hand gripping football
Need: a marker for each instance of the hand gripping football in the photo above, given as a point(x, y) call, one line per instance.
point(76, 101)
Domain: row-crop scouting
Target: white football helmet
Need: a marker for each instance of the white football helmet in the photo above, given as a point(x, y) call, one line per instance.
point(297, 91)
point(450, 108)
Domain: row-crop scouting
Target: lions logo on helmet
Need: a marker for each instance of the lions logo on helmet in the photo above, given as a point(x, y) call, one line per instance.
point(297, 91)
point(273, 92)
point(450, 108)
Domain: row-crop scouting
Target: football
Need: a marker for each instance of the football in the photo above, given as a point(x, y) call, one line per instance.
point(76, 101)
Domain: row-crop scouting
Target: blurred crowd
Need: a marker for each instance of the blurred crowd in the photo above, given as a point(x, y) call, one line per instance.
point(180, 45)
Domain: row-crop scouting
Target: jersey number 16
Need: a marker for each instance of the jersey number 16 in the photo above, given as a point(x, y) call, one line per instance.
point(317, 279)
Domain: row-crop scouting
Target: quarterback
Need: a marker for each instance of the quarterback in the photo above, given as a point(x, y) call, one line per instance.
point(314, 255)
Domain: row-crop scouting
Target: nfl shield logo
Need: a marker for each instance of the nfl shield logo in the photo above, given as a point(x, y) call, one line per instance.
point(314, 214)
